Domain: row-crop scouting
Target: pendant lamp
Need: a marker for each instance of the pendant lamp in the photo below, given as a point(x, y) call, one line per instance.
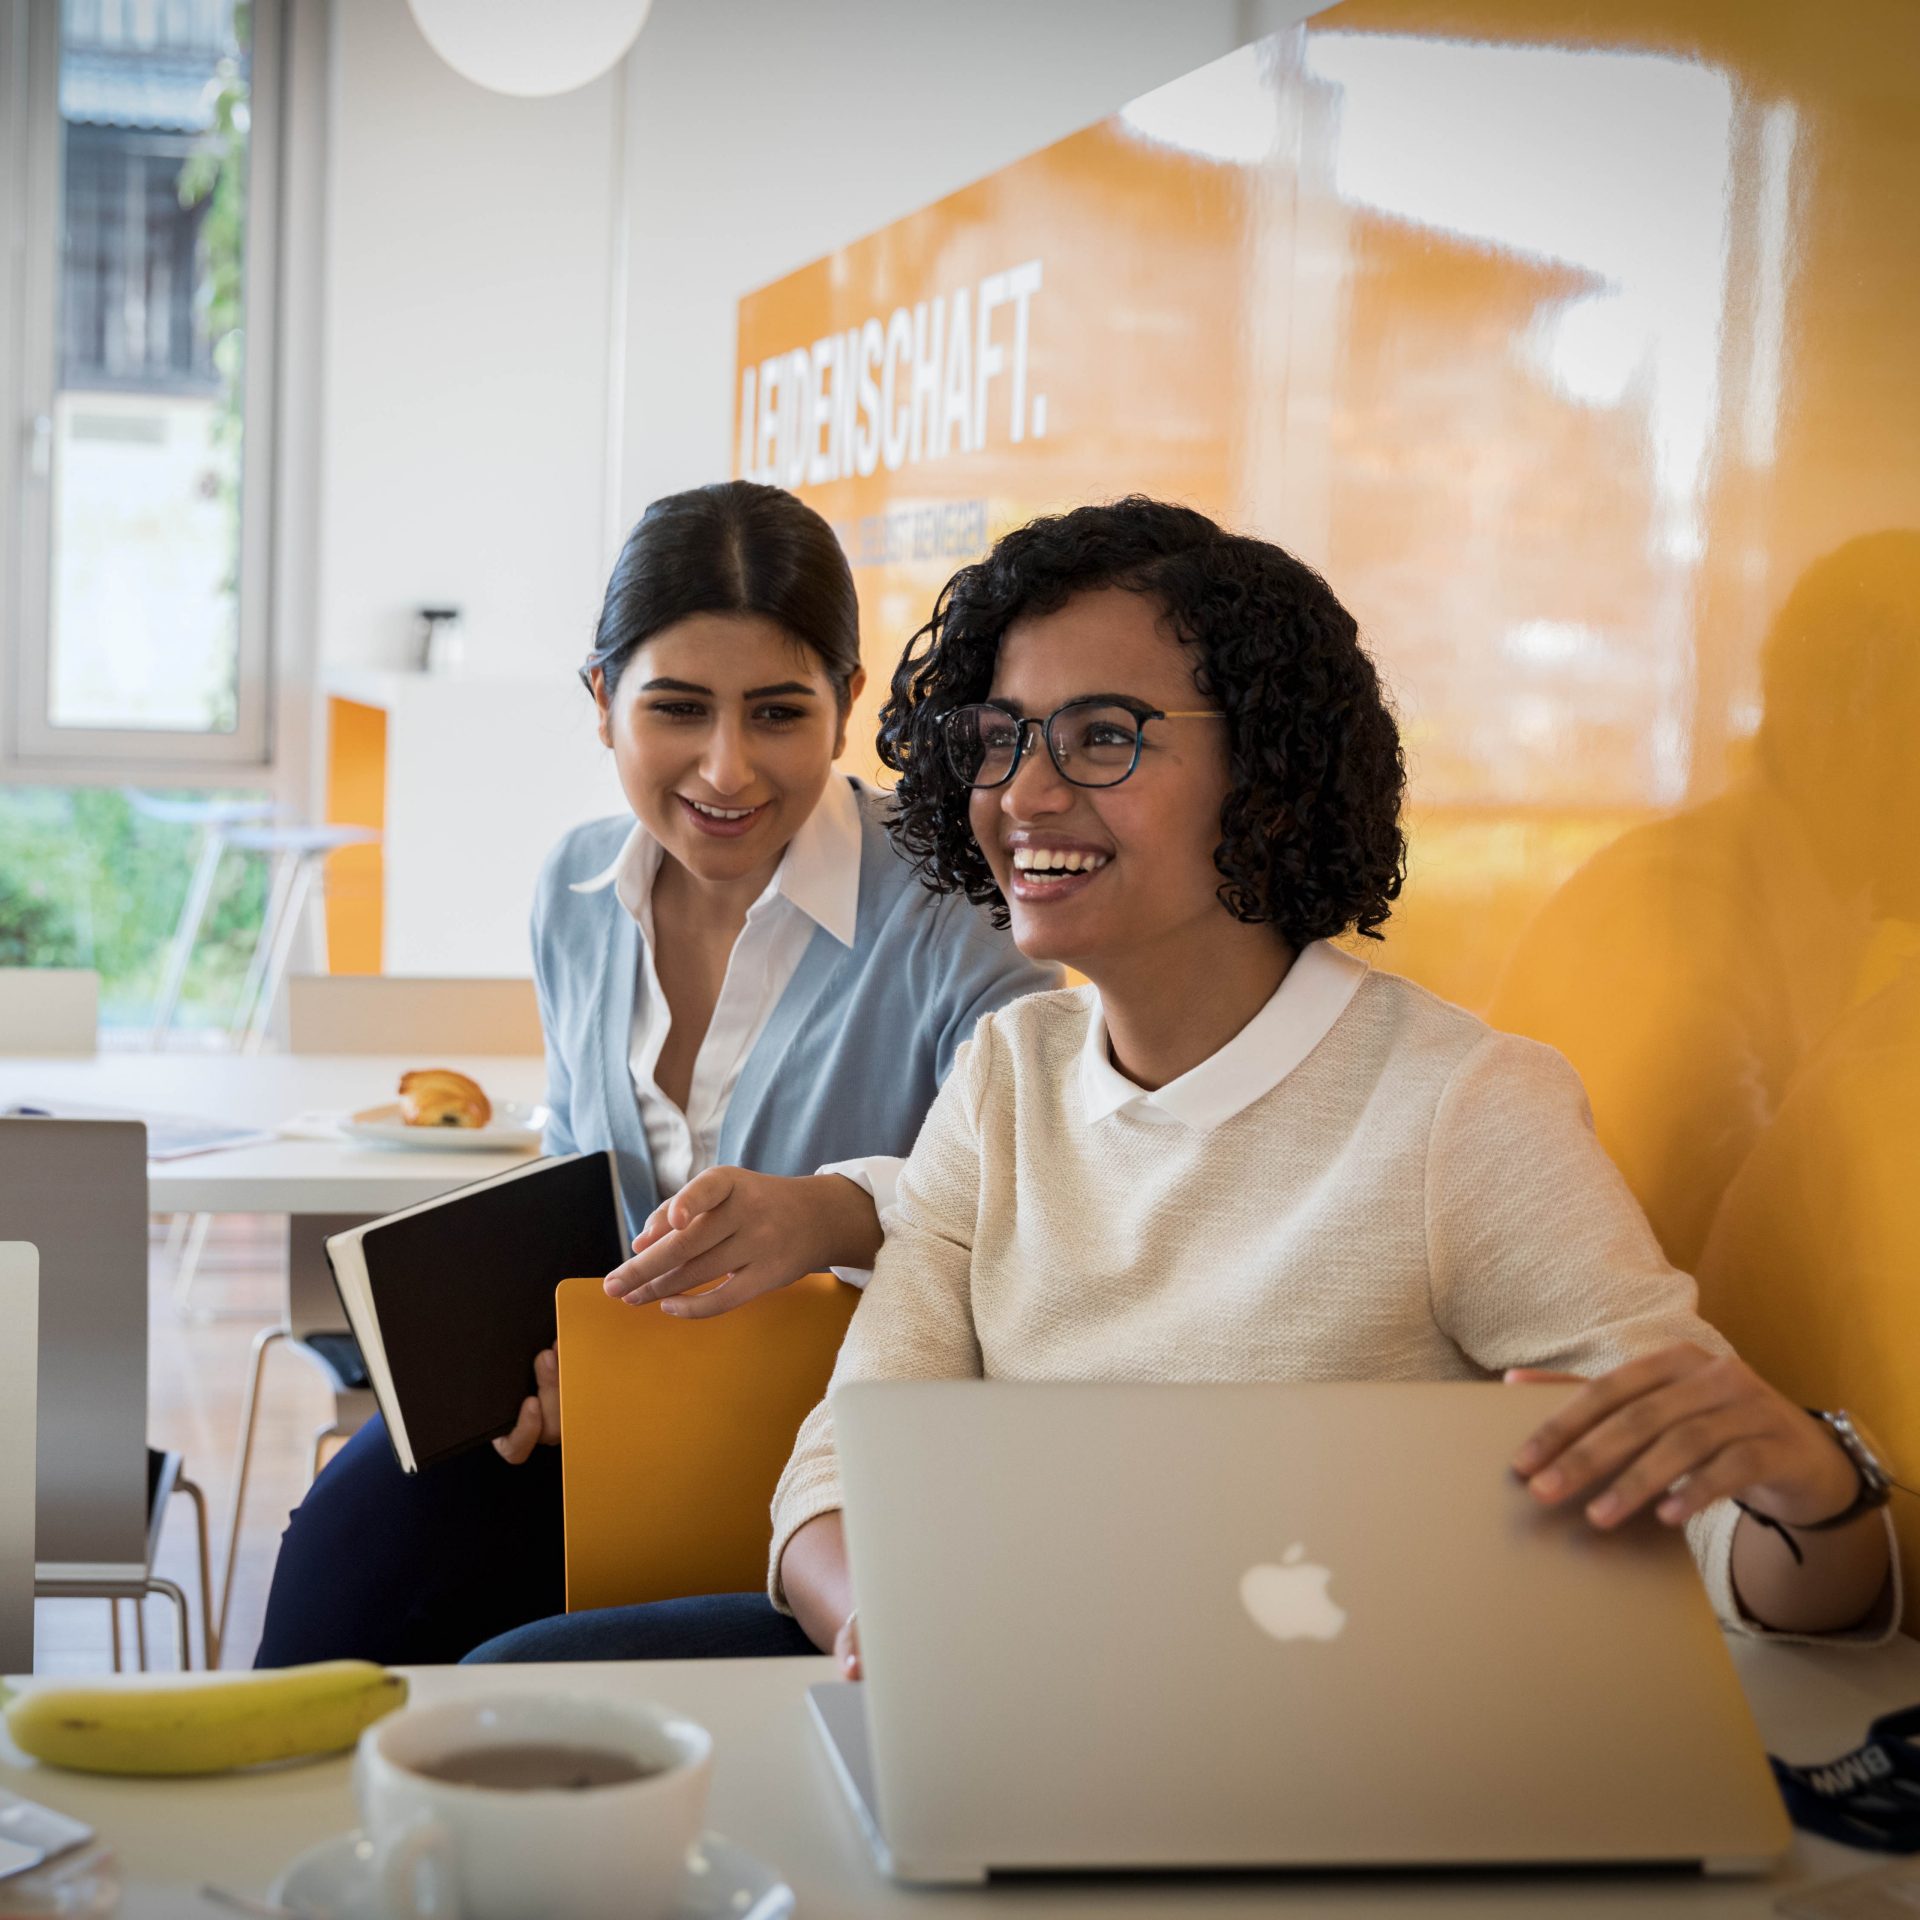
point(530, 47)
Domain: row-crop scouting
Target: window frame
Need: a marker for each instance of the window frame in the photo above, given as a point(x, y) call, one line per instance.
point(31, 747)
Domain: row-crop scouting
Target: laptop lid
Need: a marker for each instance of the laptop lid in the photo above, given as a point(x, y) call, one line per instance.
point(1206, 1626)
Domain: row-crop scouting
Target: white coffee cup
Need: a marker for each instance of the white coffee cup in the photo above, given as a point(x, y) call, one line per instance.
point(449, 1851)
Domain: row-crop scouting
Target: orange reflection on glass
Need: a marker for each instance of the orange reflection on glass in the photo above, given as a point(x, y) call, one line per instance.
point(1566, 345)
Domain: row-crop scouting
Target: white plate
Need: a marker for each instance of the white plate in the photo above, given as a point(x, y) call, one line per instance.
point(334, 1881)
point(515, 1125)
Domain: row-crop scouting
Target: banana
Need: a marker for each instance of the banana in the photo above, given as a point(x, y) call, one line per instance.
point(203, 1723)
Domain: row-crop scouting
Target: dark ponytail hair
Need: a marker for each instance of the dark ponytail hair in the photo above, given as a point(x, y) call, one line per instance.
point(735, 547)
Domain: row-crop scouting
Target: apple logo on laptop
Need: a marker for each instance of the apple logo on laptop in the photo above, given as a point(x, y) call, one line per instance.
point(1291, 1601)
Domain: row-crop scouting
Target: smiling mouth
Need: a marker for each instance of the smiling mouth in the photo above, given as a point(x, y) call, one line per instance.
point(1042, 875)
point(720, 813)
point(722, 823)
point(1043, 863)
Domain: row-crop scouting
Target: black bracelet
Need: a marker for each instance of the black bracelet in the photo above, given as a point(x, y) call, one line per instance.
point(1778, 1526)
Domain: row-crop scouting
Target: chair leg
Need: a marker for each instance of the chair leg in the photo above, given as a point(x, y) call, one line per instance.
point(119, 1652)
point(156, 1585)
point(140, 1632)
point(209, 1633)
point(186, 933)
point(331, 1431)
point(281, 867)
point(243, 1463)
point(279, 956)
point(192, 1243)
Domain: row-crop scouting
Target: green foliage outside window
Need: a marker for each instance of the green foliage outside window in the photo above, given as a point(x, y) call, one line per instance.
point(86, 881)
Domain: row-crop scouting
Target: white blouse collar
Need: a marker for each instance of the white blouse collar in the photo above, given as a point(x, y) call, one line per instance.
point(1318, 986)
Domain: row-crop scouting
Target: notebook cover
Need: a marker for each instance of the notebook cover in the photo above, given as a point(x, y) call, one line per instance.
point(674, 1434)
point(463, 1292)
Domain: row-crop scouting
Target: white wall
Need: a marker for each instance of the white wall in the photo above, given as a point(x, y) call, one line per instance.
point(468, 242)
point(465, 367)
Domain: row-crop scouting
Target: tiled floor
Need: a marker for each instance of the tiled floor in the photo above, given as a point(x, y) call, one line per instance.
point(198, 1372)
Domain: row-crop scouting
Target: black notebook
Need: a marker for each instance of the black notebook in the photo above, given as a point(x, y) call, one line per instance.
point(451, 1300)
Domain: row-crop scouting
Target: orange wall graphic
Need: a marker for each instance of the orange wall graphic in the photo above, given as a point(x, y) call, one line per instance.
point(1576, 346)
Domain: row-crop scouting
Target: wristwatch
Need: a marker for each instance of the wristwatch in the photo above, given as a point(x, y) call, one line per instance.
point(1876, 1483)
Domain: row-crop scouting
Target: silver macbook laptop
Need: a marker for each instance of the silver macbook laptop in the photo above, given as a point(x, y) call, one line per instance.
point(1267, 1626)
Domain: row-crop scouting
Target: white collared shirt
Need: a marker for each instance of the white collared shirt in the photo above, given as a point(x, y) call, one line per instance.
point(1301, 1013)
point(817, 884)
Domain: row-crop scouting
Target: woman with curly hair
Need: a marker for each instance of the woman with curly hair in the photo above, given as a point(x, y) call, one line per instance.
point(1158, 751)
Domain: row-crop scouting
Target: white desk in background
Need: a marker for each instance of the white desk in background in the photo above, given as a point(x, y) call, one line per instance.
point(774, 1792)
point(265, 1091)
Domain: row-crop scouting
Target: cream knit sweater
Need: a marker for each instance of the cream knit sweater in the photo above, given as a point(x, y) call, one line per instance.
point(1420, 1198)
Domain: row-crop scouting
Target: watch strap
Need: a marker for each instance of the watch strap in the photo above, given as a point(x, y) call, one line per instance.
point(1874, 1488)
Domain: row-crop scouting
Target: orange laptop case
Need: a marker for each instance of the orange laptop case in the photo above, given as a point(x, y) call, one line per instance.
point(674, 1433)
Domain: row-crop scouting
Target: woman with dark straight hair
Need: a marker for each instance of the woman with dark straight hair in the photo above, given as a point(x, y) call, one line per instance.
point(746, 994)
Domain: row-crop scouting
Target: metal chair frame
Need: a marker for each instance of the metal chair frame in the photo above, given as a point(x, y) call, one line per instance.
point(168, 1480)
point(312, 1307)
point(78, 1190)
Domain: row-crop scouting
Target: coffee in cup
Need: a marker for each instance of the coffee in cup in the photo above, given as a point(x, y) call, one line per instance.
point(518, 1804)
point(534, 1766)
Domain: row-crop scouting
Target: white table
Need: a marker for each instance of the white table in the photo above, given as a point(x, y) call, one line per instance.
point(286, 1176)
point(774, 1793)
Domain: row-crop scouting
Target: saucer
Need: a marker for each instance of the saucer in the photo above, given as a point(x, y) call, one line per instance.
point(334, 1881)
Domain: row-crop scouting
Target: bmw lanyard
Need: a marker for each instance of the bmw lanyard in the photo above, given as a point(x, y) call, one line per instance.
point(1867, 1798)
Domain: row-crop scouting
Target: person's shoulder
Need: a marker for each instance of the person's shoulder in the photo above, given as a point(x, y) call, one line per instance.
point(1041, 1029)
point(886, 874)
point(1424, 1032)
point(1468, 1063)
point(1414, 1018)
point(581, 854)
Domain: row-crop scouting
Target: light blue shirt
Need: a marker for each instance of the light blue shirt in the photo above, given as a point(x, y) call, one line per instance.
point(847, 1063)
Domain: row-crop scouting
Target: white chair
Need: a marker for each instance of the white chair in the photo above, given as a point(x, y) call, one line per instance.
point(19, 1402)
point(77, 1189)
point(432, 1020)
point(48, 1010)
point(295, 855)
point(211, 818)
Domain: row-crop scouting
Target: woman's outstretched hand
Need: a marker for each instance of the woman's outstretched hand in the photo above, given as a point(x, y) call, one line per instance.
point(1683, 1428)
point(752, 1232)
point(539, 1422)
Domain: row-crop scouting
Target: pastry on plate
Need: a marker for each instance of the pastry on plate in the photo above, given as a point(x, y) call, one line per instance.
point(439, 1097)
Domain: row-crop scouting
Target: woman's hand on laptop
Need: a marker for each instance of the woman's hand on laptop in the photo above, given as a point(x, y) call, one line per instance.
point(1683, 1427)
point(539, 1422)
point(846, 1648)
point(752, 1232)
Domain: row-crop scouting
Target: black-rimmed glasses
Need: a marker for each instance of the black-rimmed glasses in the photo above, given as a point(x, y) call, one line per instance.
point(1093, 742)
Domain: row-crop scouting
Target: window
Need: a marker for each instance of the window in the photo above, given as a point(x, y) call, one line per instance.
point(135, 619)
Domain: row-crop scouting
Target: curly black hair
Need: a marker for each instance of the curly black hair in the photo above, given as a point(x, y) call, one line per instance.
point(1310, 837)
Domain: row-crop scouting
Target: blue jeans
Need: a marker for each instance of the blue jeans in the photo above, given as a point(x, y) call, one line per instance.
point(717, 1626)
point(414, 1570)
